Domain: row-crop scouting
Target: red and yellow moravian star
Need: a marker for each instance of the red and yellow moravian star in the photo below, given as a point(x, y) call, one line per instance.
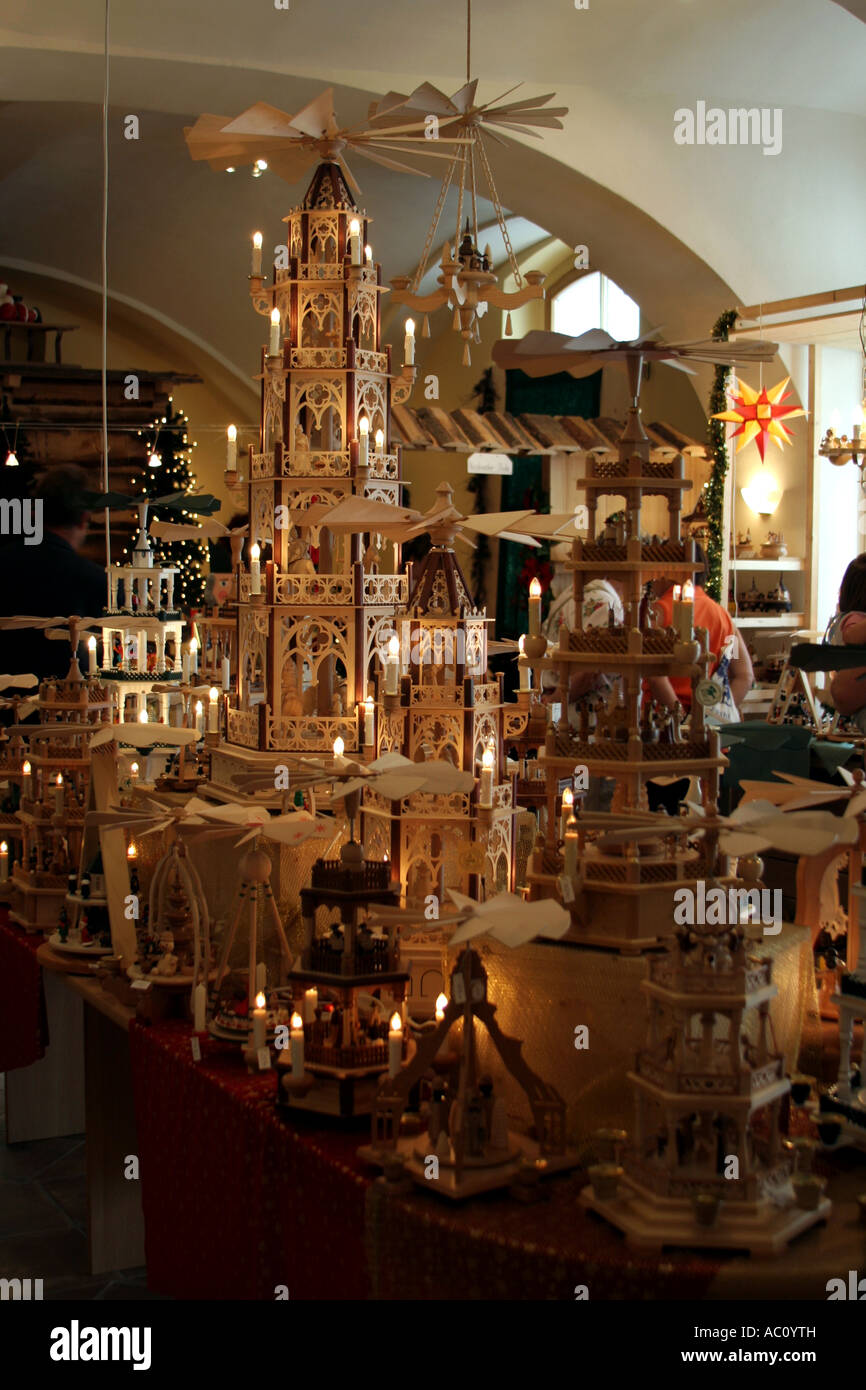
point(760, 414)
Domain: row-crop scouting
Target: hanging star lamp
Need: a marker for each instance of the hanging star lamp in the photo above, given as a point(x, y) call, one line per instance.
point(759, 414)
point(468, 284)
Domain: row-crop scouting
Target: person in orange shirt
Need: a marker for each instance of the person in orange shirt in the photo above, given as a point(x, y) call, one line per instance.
point(722, 635)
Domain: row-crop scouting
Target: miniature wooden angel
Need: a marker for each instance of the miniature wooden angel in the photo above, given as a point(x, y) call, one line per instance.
point(371, 556)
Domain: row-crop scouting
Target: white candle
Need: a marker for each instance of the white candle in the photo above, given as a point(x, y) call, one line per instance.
point(199, 1009)
point(91, 656)
point(380, 441)
point(261, 977)
point(257, 254)
point(27, 780)
point(570, 854)
point(441, 1006)
point(523, 666)
point(232, 449)
point(226, 674)
point(392, 667)
point(260, 1020)
point(369, 721)
point(59, 795)
point(193, 656)
point(567, 810)
point(364, 442)
point(4, 861)
point(409, 343)
point(535, 608)
point(395, 1044)
point(142, 651)
point(296, 1038)
point(276, 334)
point(311, 1003)
point(213, 711)
point(255, 569)
point(355, 241)
point(199, 717)
point(683, 610)
point(485, 793)
point(184, 668)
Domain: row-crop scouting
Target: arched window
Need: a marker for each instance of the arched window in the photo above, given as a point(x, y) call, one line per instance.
point(594, 301)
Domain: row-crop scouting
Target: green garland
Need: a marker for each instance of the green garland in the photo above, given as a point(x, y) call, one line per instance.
point(715, 491)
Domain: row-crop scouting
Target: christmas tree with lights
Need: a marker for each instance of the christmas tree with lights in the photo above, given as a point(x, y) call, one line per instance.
point(168, 468)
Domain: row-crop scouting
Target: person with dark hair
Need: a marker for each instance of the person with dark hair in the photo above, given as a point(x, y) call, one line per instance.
point(848, 628)
point(50, 579)
point(728, 651)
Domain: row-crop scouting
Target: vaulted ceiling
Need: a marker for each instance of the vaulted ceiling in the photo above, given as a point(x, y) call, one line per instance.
point(686, 230)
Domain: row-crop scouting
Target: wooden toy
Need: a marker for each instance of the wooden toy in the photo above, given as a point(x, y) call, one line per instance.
point(707, 1166)
point(467, 1147)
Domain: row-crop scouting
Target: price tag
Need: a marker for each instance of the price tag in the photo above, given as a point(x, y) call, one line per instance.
point(196, 1048)
point(141, 984)
point(566, 888)
point(264, 1056)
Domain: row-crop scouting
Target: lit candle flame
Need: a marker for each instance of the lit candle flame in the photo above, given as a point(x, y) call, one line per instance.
point(260, 1000)
point(441, 1006)
point(232, 432)
point(396, 1024)
point(339, 747)
point(131, 851)
point(297, 1023)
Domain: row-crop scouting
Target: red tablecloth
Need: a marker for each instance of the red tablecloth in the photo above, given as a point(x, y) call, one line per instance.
point(23, 1016)
point(237, 1201)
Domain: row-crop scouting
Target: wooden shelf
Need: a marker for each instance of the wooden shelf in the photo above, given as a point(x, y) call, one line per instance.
point(786, 562)
point(769, 620)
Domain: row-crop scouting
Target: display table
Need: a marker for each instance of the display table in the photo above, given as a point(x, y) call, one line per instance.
point(114, 1215)
point(41, 1043)
point(238, 1202)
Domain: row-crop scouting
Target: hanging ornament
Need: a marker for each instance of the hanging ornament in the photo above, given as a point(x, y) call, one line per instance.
point(508, 325)
point(467, 358)
point(425, 327)
point(759, 414)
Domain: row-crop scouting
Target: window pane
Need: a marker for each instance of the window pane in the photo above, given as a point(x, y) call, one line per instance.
point(578, 307)
point(622, 315)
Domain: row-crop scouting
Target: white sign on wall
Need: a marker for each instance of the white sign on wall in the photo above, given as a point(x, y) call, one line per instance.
point(490, 463)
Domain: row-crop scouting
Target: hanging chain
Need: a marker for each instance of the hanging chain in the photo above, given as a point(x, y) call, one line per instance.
point(437, 213)
point(500, 216)
point(472, 186)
